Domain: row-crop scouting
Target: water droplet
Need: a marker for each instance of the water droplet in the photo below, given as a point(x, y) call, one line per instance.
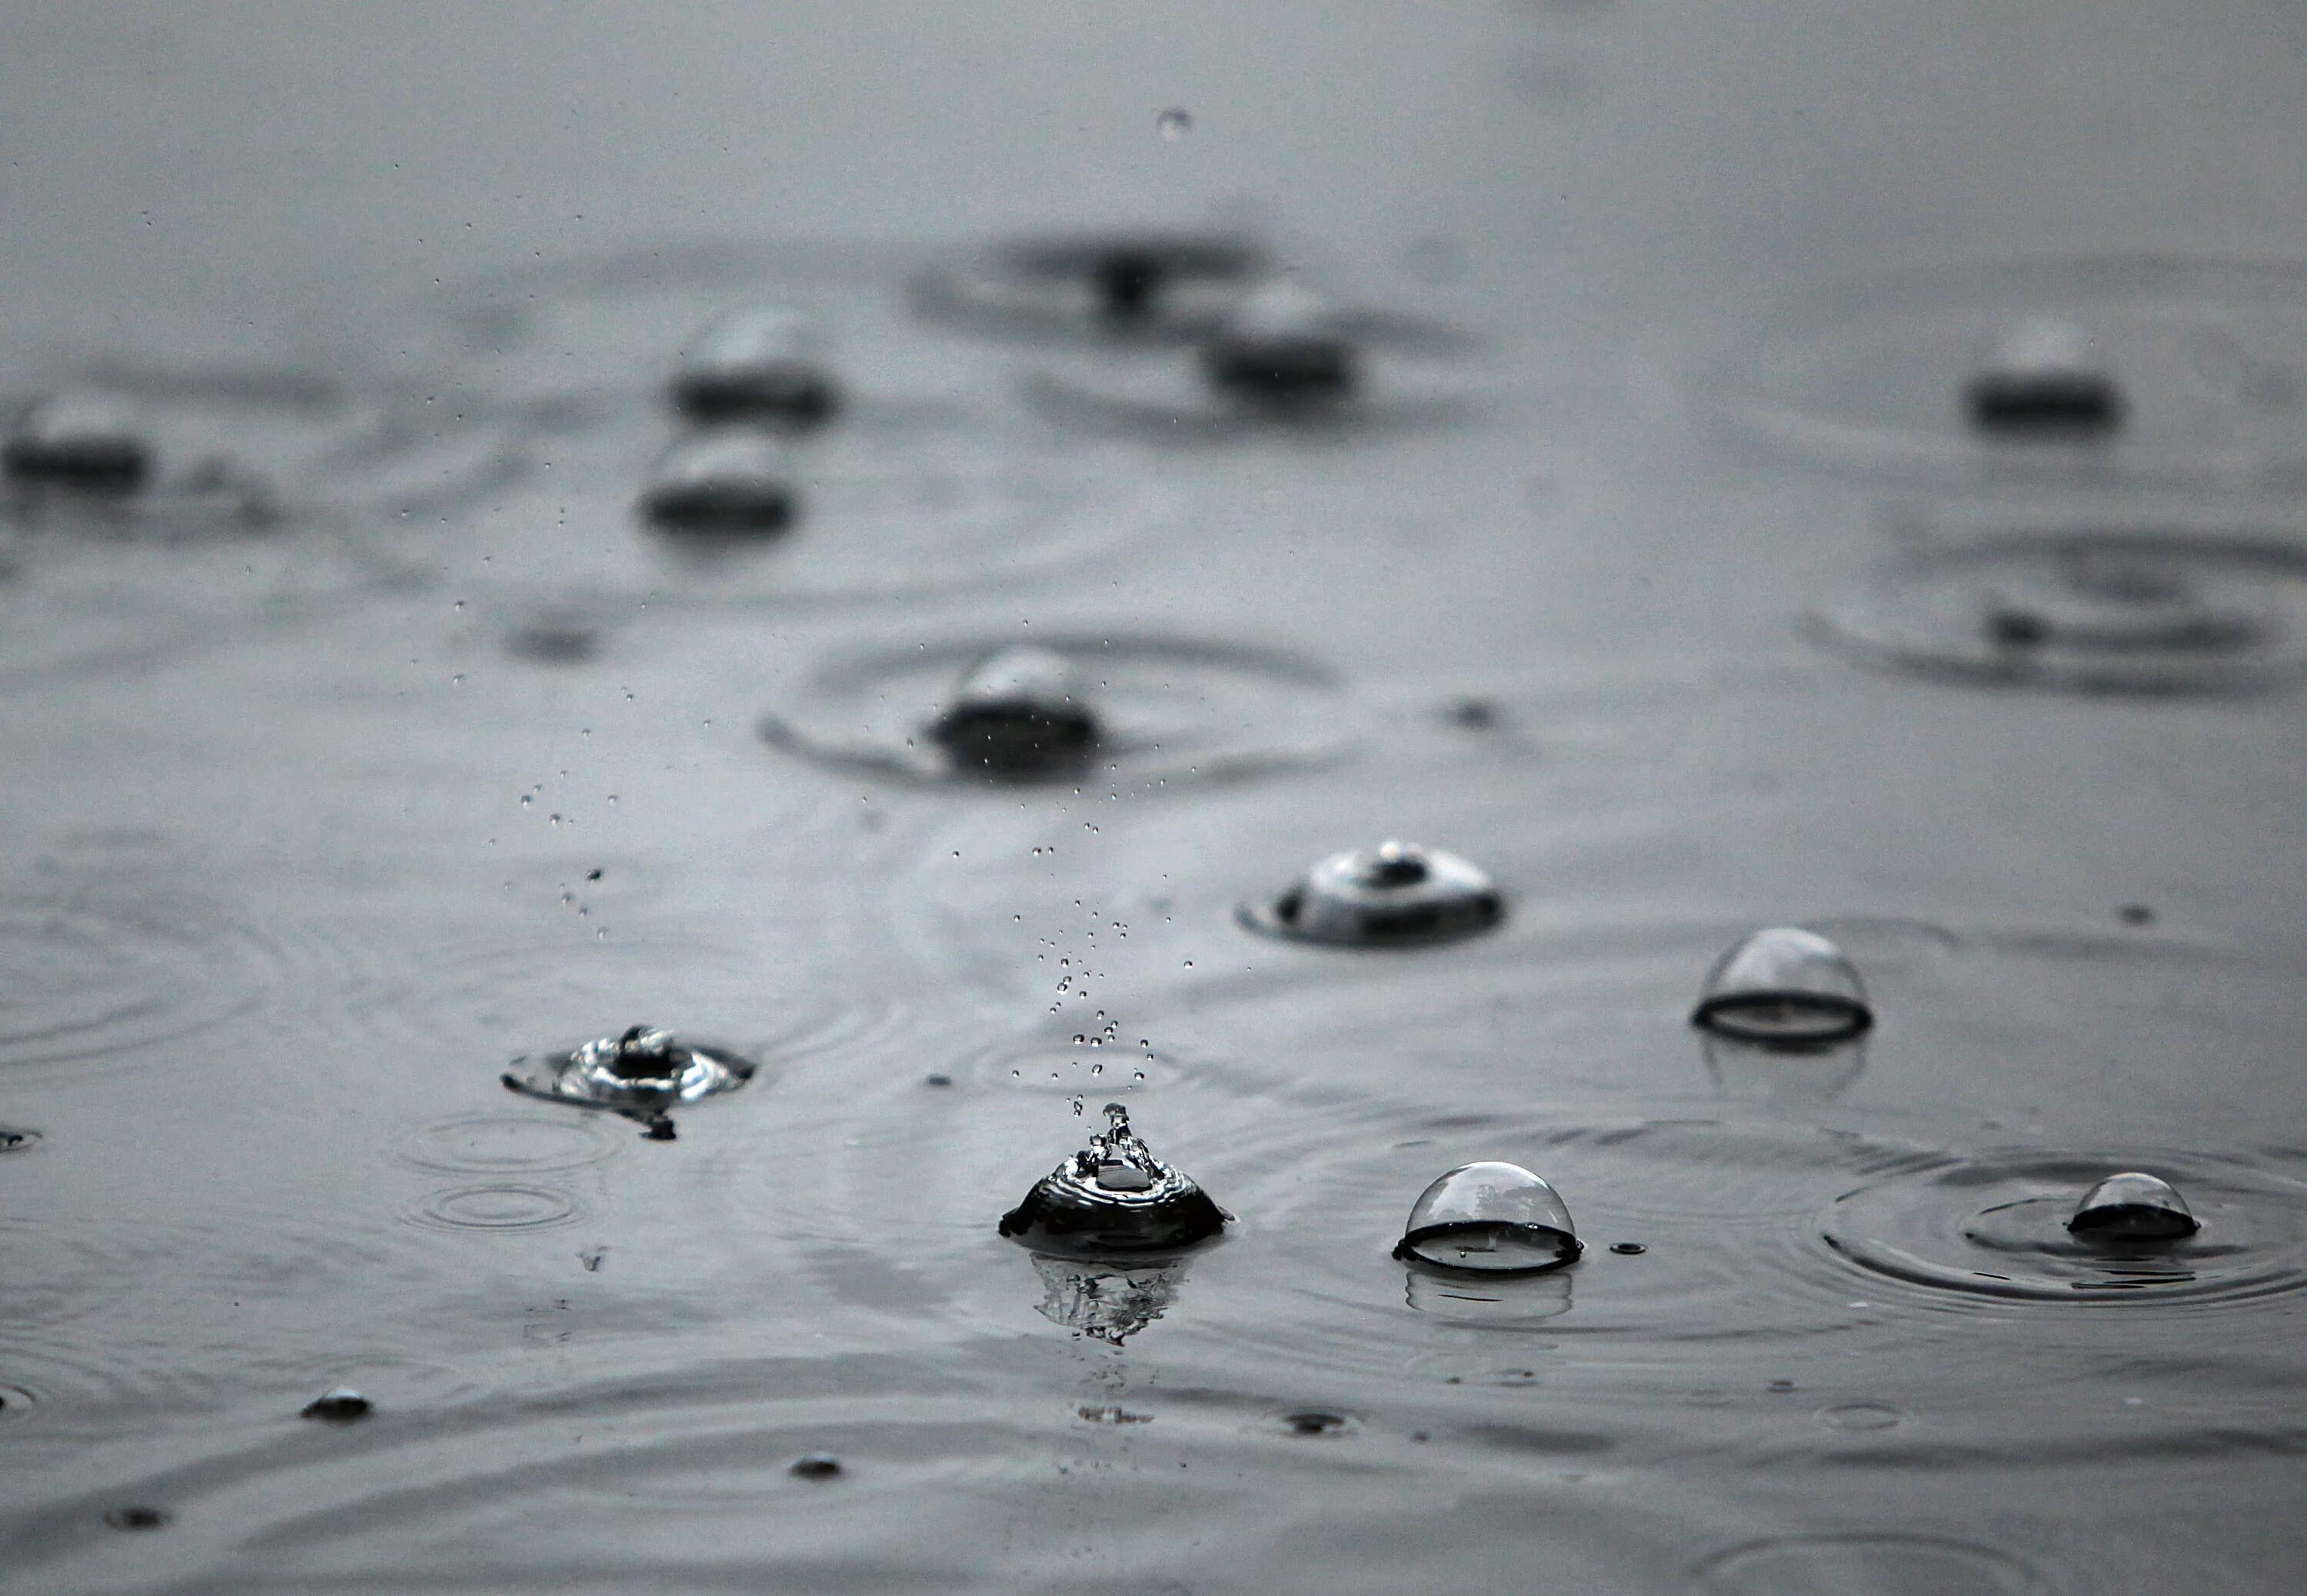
point(2134, 1206)
point(721, 487)
point(765, 363)
point(817, 1465)
point(1114, 1197)
point(1174, 123)
point(342, 1405)
point(136, 1517)
point(1314, 1423)
point(1394, 894)
point(1628, 1249)
point(1018, 712)
point(1784, 987)
point(642, 1073)
point(1280, 349)
point(1490, 1218)
point(88, 443)
point(2044, 379)
point(15, 1138)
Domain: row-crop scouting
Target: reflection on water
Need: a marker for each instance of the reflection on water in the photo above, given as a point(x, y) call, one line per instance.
point(1108, 1302)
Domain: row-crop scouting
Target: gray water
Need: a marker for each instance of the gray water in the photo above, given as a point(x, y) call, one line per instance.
point(373, 750)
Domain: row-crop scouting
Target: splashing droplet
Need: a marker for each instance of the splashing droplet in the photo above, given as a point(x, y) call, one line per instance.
point(2133, 1207)
point(1784, 987)
point(1396, 894)
point(2045, 381)
point(1490, 1218)
point(1114, 1197)
point(642, 1073)
point(762, 364)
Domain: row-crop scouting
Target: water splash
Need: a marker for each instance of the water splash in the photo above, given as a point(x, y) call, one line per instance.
point(1114, 1197)
point(644, 1074)
point(1490, 1218)
point(1395, 894)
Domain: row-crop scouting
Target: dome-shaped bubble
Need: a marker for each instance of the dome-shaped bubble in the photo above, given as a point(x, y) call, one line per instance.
point(2043, 379)
point(1282, 347)
point(1113, 1196)
point(763, 364)
point(643, 1073)
point(2134, 1206)
point(728, 485)
point(1489, 1219)
point(1394, 894)
point(1784, 987)
point(1017, 711)
point(86, 442)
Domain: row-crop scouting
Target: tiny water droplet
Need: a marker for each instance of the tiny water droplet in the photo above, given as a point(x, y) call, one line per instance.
point(1175, 123)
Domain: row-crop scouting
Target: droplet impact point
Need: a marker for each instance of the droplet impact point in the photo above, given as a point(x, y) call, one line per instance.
point(2134, 1206)
point(1784, 987)
point(1490, 1218)
point(1395, 894)
point(1113, 1198)
point(643, 1073)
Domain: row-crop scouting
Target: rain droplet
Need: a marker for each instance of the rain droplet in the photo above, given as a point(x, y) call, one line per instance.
point(1490, 1218)
point(1280, 349)
point(2134, 1206)
point(765, 363)
point(1114, 1197)
point(1174, 123)
point(2045, 380)
point(1784, 987)
point(725, 486)
point(343, 1405)
point(1019, 711)
point(88, 443)
point(1394, 894)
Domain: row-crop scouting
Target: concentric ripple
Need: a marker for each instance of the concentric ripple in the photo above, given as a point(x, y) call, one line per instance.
point(1859, 1562)
point(1170, 710)
point(1991, 1229)
point(2209, 359)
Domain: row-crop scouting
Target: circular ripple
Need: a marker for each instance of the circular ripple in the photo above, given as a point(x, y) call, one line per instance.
point(1990, 1229)
point(504, 1207)
point(507, 1144)
point(1850, 1565)
point(2211, 359)
point(2086, 611)
point(1169, 710)
point(87, 978)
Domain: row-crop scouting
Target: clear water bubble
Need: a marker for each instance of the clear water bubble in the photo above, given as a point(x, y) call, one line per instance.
point(1174, 123)
point(1395, 894)
point(1490, 1218)
point(1161, 286)
point(763, 364)
point(1019, 711)
point(2045, 378)
point(1785, 988)
point(342, 1405)
point(1114, 1197)
point(723, 488)
point(1282, 348)
point(643, 1073)
point(83, 442)
point(2133, 1207)
point(1106, 1301)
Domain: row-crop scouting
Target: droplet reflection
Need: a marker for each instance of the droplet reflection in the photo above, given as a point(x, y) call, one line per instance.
point(1490, 1218)
point(1108, 1302)
point(1784, 987)
point(1395, 894)
point(1113, 1198)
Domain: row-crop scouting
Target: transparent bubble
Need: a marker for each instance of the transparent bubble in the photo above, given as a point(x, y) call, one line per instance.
point(1174, 123)
point(1113, 1196)
point(343, 1405)
point(643, 1073)
point(728, 485)
point(1785, 988)
point(2044, 380)
point(88, 443)
point(1017, 711)
point(2134, 1206)
point(1282, 348)
point(764, 364)
point(1490, 1218)
point(1395, 894)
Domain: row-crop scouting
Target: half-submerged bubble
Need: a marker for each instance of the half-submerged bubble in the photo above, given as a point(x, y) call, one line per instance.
point(1017, 711)
point(644, 1074)
point(2044, 380)
point(1490, 1218)
point(343, 1405)
point(1282, 349)
point(85, 442)
point(2134, 1206)
point(1784, 987)
point(727, 486)
point(1114, 1197)
point(766, 364)
point(1395, 894)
